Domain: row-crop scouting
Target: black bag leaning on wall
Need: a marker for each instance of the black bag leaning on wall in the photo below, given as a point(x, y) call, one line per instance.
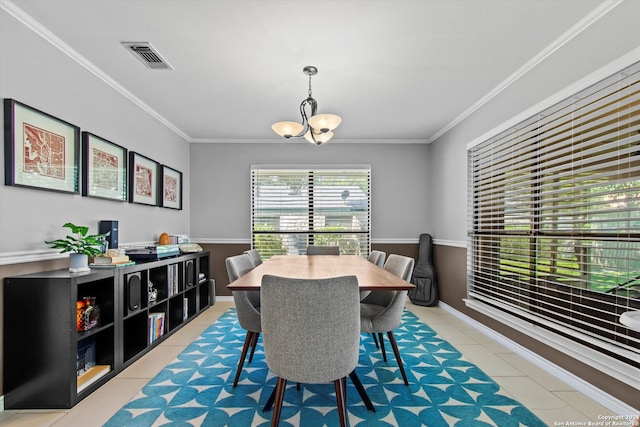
point(424, 275)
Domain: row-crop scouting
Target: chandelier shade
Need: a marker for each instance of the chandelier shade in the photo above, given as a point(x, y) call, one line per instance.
point(325, 122)
point(316, 128)
point(318, 139)
point(287, 129)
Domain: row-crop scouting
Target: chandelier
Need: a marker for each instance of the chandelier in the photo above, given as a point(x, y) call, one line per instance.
point(316, 128)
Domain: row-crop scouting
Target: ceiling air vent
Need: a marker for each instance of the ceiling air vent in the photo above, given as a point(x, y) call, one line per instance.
point(148, 55)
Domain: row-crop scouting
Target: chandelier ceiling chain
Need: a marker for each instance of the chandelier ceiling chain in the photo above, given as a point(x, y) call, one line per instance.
point(316, 128)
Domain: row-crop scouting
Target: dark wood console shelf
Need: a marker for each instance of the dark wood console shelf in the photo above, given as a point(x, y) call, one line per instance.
point(42, 344)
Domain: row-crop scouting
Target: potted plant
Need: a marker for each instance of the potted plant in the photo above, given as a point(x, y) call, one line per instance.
point(80, 246)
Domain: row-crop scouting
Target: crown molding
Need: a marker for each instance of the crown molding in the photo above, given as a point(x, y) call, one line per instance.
point(302, 141)
point(47, 35)
point(608, 70)
point(591, 18)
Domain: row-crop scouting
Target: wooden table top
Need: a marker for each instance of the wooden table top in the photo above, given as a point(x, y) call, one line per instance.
point(370, 276)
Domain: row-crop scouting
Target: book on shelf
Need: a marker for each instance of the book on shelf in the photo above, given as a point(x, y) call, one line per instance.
point(112, 259)
point(173, 279)
point(156, 326)
point(92, 375)
point(116, 265)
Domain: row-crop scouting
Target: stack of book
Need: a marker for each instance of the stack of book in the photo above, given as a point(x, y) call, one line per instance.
point(107, 261)
point(172, 279)
point(156, 326)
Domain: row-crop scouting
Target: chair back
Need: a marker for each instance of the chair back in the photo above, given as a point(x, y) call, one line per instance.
point(401, 266)
point(256, 259)
point(237, 266)
point(323, 250)
point(310, 327)
point(377, 257)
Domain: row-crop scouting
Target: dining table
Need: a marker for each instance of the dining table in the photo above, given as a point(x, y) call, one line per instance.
point(370, 278)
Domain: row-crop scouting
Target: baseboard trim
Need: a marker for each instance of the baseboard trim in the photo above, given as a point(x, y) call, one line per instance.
point(224, 298)
point(576, 382)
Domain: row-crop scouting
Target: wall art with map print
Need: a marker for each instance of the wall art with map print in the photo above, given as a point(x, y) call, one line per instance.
point(171, 188)
point(41, 151)
point(143, 179)
point(105, 168)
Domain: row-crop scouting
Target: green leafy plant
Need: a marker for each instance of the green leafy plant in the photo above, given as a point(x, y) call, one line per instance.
point(81, 243)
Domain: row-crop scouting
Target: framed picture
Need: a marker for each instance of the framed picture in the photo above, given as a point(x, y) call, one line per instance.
point(171, 188)
point(143, 179)
point(104, 166)
point(40, 151)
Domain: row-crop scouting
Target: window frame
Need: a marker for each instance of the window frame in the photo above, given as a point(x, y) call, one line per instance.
point(308, 227)
point(540, 209)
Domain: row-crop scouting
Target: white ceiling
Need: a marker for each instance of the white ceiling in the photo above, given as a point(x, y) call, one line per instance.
point(394, 70)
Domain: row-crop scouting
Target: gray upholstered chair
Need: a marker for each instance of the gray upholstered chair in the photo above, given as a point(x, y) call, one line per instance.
point(323, 250)
point(377, 257)
point(381, 311)
point(247, 307)
point(310, 333)
point(256, 259)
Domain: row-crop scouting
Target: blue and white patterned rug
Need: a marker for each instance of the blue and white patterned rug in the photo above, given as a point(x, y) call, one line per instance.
point(444, 388)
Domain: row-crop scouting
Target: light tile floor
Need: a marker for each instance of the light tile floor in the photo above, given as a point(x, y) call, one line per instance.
point(549, 398)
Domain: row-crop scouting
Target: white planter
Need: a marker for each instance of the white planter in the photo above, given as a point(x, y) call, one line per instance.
point(78, 263)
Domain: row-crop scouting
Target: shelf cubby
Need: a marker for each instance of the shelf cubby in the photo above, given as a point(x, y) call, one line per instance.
point(43, 347)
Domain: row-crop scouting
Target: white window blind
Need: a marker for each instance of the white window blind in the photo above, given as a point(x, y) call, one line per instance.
point(554, 218)
point(294, 208)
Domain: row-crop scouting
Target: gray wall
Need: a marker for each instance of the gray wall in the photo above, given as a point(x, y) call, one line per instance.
point(611, 37)
point(220, 183)
point(32, 71)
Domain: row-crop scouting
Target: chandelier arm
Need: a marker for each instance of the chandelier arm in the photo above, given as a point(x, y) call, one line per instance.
point(317, 136)
point(305, 120)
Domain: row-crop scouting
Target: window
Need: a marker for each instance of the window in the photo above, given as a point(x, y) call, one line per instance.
point(554, 231)
point(294, 208)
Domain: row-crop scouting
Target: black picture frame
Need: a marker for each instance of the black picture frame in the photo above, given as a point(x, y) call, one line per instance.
point(171, 188)
point(144, 179)
point(104, 167)
point(41, 151)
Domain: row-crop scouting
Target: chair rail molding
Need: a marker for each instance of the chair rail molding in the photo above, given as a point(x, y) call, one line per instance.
point(8, 258)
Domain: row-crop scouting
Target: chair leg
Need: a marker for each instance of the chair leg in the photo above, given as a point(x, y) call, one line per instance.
point(398, 358)
point(384, 353)
point(341, 400)
point(375, 340)
point(254, 343)
point(277, 407)
point(245, 347)
point(361, 391)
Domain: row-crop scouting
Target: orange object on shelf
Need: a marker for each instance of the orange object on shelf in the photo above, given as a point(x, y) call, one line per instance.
point(164, 239)
point(80, 310)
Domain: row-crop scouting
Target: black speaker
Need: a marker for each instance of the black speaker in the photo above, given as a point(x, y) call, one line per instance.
point(110, 227)
point(190, 275)
point(133, 291)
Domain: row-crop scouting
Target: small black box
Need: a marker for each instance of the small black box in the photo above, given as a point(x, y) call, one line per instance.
point(110, 227)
